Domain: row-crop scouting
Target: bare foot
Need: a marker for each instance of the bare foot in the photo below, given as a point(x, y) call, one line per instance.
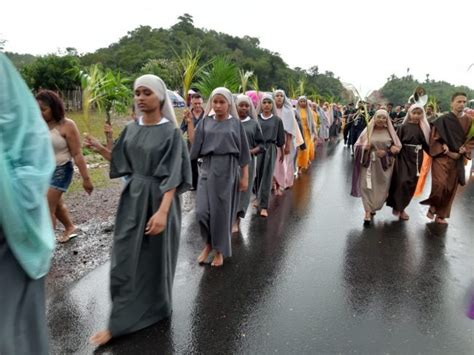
point(218, 260)
point(264, 212)
point(101, 338)
point(202, 258)
point(255, 203)
point(440, 220)
point(396, 213)
point(403, 216)
point(431, 213)
point(235, 227)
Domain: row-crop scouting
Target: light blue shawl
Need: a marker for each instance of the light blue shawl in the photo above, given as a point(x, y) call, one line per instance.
point(26, 166)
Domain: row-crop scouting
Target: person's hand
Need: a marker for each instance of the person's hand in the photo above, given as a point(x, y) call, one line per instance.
point(92, 143)
point(157, 223)
point(393, 150)
point(445, 149)
point(282, 158)
point(187, 116)
point(453, 155)
point(87, 185)
point(287, 149)
point(380, 153)
point(462, 150)
point(108, 129)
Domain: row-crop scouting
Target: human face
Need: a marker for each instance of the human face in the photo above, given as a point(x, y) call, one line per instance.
point(389, 107)
point(429, 110)
point(243, 109)
point(380, 121)
point(267, 106)
point(45, 111)
point(303, 103)
point(416, 115)
point(279, 99)
point(146, 100)
point(457, 105)
point(220, 106)
point(196, 105)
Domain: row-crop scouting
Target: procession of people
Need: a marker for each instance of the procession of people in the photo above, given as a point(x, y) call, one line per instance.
point(236, 156)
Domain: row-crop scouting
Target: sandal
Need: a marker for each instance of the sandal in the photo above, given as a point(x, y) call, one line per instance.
point(66, 238)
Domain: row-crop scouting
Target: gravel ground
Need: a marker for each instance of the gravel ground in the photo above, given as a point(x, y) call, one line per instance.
point(94, 216)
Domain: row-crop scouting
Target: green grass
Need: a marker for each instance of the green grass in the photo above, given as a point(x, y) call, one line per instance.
point(99, 176)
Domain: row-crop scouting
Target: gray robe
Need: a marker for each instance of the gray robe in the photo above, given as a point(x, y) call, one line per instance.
point(23, 327)
point(255, 139)
point(375, 193)
point(223, 148)
point(142, 268)
point(273, 136)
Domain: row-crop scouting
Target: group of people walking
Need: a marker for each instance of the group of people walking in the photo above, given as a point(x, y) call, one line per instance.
point(388, 163)
point(235, 151)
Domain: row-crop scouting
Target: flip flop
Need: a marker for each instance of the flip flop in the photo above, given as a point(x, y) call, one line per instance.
point(63, 240)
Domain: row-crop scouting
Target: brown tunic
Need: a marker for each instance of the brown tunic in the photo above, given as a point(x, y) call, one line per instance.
point(444, 172)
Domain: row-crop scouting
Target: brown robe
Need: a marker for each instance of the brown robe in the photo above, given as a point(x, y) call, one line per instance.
point(444, 170)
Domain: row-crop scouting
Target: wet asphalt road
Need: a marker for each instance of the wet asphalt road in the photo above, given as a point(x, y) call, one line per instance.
point(309, 279)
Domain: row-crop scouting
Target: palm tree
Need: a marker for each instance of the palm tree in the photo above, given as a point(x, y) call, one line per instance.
point(222, 73)
point(244, 79)
point(189, 65)
point(106, 91)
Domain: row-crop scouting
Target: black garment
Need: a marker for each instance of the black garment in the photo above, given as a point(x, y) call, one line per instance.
point(347, 127)
point(357, 127)
point(407, 166)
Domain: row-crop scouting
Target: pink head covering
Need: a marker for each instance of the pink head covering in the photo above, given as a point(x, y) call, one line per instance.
point(367, 132)
point(424, 125)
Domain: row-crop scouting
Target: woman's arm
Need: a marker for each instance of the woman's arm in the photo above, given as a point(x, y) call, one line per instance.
point(73, 140)
point(157, 223)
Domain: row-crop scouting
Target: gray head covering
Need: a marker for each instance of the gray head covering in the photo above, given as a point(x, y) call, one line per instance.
point(266, 97)
point(287, 114)
point(158, 87)
point(245, 98)
point(309, 114)
point(229, 98)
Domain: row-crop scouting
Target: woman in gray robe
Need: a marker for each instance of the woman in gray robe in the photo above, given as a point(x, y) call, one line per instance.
point(248, 118)
point(373, 165)
point(154, 156)
point(273, 137)
point(221, 144)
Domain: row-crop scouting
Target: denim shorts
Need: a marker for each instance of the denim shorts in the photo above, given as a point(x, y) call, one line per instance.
point(62, 177)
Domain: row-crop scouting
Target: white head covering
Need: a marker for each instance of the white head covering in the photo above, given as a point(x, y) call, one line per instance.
point(245, 98)
point(287, 115)
point(158, 87)
point(424, 125)
point(266, 97)
point(229, 98)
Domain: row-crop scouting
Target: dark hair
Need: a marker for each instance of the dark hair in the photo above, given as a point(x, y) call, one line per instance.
point(54, 102)
point(390, 104)
point(196, 95)
point(456, 94)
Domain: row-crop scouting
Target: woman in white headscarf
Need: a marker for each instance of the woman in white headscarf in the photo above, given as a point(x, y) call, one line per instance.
point(248, 118)
point(284, 174)
point(373, 165)
point(273, 137)
point(221, 144)
point(414, 134)
point(154, 157)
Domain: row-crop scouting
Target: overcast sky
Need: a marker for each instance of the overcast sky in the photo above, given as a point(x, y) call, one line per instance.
point(362, 42)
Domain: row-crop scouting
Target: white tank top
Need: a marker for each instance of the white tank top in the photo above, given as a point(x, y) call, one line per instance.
point(61, 149)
